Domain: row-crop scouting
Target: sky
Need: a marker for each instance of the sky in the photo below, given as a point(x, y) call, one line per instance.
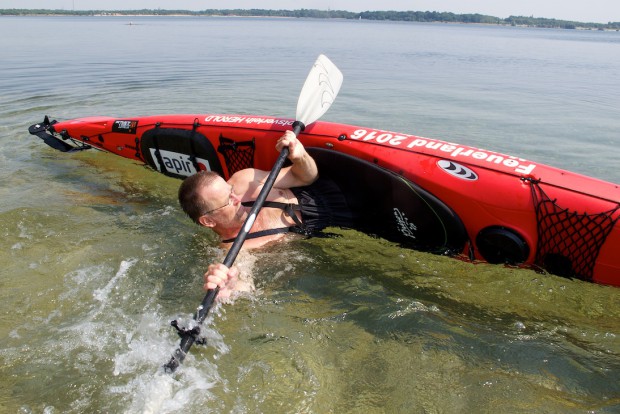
point(596, 11)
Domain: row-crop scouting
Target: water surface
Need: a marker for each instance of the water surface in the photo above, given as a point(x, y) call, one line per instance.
point(97, 258)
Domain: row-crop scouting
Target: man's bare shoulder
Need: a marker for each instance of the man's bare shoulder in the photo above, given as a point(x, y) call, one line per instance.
point(248, 175)
point(247, 183)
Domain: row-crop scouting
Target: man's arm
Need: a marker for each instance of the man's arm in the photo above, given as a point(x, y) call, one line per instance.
point(302, 172)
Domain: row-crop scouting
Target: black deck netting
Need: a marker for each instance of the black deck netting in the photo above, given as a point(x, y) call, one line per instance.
point(238, 155)
point(569, 242)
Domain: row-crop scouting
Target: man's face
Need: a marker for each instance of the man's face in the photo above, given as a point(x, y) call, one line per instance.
point(224, 204)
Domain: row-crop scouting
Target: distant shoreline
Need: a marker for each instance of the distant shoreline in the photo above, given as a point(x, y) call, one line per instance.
point(406, 16)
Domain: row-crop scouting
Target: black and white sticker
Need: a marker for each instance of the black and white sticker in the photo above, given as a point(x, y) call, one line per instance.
point(125, 126)
point(457, 170)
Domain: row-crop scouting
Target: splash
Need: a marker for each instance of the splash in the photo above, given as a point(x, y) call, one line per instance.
point(102, 294)
point(149, 388)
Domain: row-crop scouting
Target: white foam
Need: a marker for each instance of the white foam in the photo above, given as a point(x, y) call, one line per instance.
point(102, 294)
point(150, 389)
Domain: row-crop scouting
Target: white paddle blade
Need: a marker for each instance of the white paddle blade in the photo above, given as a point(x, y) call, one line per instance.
point(319, 91)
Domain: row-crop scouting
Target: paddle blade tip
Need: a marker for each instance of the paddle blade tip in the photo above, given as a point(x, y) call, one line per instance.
point(319, 91)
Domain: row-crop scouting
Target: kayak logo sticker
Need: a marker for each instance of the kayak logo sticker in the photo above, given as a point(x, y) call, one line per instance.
point(125, 126)
point(405, 227)
point(177, 163)
point(457, 170)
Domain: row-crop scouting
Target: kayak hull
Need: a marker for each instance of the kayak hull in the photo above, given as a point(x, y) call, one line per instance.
point(487, 206)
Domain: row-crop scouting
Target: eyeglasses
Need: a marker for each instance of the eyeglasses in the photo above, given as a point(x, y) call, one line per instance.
point(229, 202)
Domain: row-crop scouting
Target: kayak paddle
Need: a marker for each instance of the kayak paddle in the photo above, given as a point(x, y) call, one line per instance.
point(317, 95)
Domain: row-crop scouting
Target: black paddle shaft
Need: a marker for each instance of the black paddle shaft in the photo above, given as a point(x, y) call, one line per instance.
point(189, 336)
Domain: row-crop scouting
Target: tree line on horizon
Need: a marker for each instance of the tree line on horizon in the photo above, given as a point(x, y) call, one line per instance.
point(409, 16)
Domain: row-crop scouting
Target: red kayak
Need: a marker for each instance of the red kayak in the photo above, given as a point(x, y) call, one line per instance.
point(422, 193)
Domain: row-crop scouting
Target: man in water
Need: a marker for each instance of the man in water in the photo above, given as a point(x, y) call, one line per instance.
point(299, 201)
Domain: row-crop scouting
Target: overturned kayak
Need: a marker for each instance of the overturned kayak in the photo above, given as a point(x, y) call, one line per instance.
point(423, 193)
